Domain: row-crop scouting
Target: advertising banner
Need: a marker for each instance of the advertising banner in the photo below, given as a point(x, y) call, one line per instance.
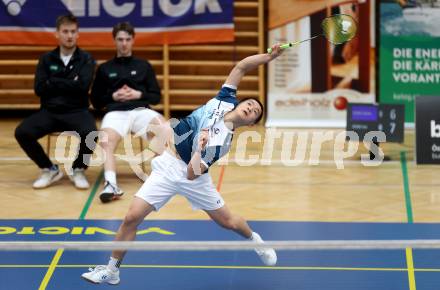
point(32, 22)
point(427, 129)
point(409, 63)
point(311, 84)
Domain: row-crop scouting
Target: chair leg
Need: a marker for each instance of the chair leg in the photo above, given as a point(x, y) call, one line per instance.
point(141, 143)
point(48, 145)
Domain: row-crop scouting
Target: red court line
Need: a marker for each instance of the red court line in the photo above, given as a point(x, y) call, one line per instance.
point(220, 179)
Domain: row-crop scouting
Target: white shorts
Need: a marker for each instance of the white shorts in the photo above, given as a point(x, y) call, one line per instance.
point(169, 177)
point(135, 121)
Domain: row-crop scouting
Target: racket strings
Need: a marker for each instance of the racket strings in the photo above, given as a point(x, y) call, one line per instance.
point(339, 28)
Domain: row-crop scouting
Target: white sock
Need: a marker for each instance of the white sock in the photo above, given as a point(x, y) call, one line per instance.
point(110, 176)
point(252, 238)
point(114, 264)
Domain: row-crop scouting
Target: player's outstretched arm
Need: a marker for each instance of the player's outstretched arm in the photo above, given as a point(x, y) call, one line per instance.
point(249, 63)
point(195, 166)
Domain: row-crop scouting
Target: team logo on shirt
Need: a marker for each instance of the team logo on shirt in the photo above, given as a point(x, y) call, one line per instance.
point(216, 131)
point(112, 75)
point(217, 113)
point(53, 68)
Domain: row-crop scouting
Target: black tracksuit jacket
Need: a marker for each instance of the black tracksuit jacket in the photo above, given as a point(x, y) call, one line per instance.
point(134, 72)
point(64, 88)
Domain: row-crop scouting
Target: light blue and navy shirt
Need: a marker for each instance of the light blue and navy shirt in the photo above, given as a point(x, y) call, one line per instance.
point(210, 116)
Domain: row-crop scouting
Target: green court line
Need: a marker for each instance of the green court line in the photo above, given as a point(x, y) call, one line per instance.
point(410, 219)
point(54, 263)
point(91, 196)
point(409, 212)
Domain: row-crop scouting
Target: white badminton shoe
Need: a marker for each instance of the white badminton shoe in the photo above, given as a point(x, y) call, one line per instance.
point(267, 255)
point(110, 192)
point(78, 178)
point(47, 177)
point(102, 274)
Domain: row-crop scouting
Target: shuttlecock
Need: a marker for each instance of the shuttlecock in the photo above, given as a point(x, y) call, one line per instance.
point(346, 25)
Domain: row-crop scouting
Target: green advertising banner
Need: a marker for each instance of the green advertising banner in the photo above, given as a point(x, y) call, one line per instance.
point(409, 63)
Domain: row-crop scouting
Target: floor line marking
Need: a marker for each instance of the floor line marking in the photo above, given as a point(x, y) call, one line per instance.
point(409, 212)
point(410, 266)
point(410, 219)
point(311, 268)
point(91, 196)
point(220, 178)
point(59, 252)
point(51, 269)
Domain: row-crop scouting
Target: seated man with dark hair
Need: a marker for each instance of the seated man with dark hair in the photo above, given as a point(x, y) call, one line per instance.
point(125, 86)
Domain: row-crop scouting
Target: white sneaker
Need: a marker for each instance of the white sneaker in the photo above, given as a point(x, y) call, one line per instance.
point(267, 255)
point(47, 177)
point(101, 274)
point(110, 192)
point(79, 179)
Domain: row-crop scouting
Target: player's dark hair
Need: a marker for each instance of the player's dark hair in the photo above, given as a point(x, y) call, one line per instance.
point(123, 26)
point(66, 19)
point(259, 103)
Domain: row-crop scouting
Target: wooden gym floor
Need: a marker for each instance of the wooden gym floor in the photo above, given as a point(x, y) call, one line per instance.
point(282, 202)
point(357, 193)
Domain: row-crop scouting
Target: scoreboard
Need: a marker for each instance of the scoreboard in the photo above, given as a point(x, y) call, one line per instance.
point(387, 118)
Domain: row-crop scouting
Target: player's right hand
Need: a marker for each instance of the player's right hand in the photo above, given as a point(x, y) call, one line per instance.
point(276, 50)
point(203, 139)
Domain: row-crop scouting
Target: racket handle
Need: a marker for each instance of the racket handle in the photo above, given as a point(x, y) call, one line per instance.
point(282, 46)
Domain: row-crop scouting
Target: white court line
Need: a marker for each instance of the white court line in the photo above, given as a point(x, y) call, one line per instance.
point(14, 159)
point(234, 161)
point(220, 245)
